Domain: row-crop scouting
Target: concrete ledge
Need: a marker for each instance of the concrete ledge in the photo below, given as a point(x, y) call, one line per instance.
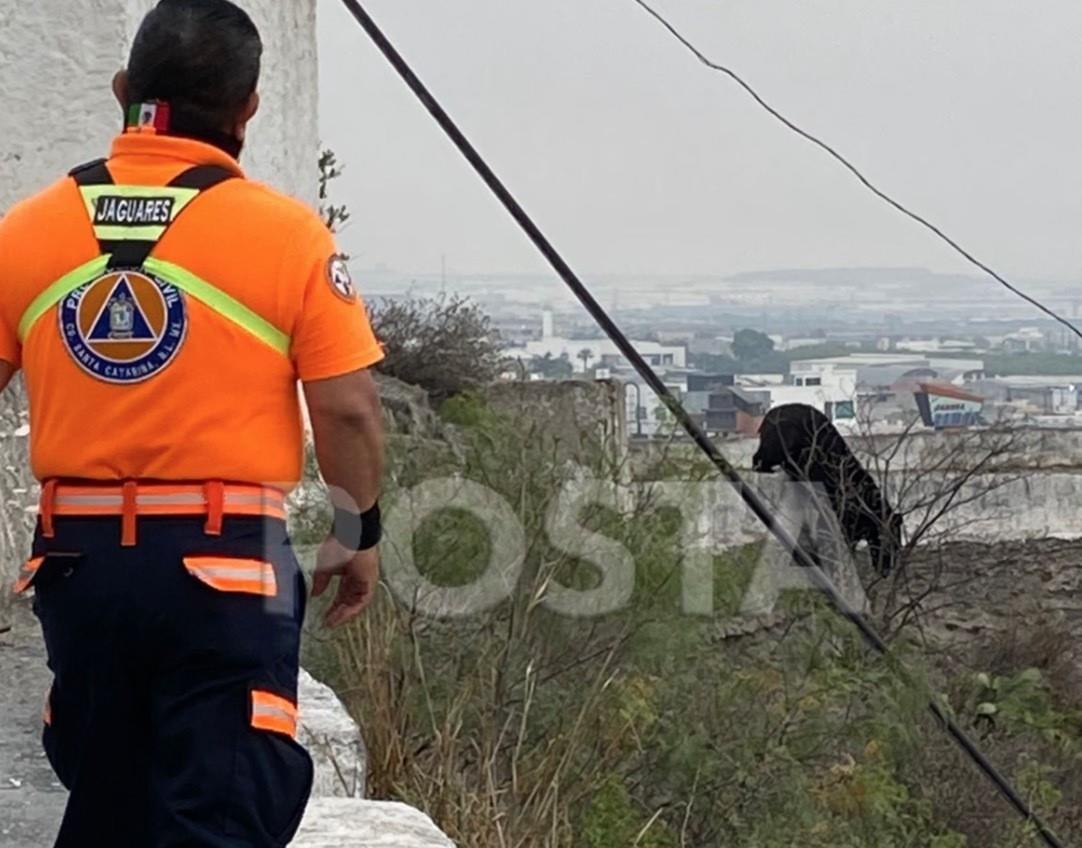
point(337, 815)
point(352, 823)
point(29, 819)
point(333, 740)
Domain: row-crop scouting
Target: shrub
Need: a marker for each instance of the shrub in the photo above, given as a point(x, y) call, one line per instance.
point(446, 345)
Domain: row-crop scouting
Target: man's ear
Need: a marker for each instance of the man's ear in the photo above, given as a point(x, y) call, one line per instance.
point(249, 112)
point(120, 88)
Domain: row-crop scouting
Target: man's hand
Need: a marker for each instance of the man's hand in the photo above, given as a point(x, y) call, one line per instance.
point(347, 425)
point(359, 573)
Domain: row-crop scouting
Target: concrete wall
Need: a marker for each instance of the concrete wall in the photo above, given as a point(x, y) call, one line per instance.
point(57, 59)
point(1032, 494)
point(1042, 505)
point(580, 417)
point(1036, 449)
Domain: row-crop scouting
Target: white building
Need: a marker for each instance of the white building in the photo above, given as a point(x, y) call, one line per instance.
point(1025, 339)
point(838, 386)
point(881, 370)
point(935, 345)
point(754, 381)
point(829, 386)
point(1053, 395)
point(646, 414)
point(787, 343)
point(586, 354)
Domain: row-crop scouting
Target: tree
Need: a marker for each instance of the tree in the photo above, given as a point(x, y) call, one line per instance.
point(928, 488)
point(751, 345)
point(551, 367)
point(330, 170)
point(445, 345)
point(586, 355)
point(714, 363)
point(935, 484)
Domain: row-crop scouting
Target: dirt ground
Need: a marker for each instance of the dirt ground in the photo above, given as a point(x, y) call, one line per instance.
point(31, 799)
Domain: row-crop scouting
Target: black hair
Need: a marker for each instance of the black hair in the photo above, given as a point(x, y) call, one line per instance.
point(202, 57)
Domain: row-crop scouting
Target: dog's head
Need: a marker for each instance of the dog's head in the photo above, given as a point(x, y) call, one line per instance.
point(791, 436)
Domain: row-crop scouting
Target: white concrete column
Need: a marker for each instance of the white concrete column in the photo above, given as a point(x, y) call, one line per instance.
point(57, 59)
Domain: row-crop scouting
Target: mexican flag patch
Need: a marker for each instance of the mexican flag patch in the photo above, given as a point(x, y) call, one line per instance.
point(149, 116)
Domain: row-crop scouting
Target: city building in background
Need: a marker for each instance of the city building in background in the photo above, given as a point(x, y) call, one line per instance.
point(944, 407)
point(869, 382)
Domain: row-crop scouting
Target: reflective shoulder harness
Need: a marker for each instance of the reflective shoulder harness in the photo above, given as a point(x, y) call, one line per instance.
point(128, 223)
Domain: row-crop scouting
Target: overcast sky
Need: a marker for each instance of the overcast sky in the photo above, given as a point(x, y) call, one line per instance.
point(635, 158)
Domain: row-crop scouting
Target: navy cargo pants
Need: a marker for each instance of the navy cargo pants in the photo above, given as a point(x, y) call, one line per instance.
point(172, 716)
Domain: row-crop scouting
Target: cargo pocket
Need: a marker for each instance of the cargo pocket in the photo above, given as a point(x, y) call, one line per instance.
point(274, 713)
point(234, 574)
point(274, 773)
point(45, 572)
point(27, 573)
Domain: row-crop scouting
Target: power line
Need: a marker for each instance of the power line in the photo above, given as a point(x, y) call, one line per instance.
point(751, 497)
point(849, 166)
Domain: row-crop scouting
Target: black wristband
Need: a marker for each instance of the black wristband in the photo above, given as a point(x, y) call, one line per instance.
point(357, 532)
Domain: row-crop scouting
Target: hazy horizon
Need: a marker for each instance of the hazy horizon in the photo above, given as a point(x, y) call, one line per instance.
point(636, 159)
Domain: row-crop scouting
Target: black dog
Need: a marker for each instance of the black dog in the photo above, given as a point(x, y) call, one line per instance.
point(803, 442)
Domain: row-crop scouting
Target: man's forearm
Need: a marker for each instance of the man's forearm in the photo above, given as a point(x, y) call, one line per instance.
point(347, 425)
point(350, 456)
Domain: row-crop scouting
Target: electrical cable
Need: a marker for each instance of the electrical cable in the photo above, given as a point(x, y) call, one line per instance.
point(751, 497)
point(849, 166)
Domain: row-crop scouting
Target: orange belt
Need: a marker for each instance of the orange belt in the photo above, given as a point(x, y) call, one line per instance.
point(132, 499)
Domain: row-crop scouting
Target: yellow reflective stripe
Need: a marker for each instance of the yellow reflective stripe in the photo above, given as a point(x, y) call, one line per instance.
point(222, 303)
point(128, 233)
point(181, 196)
point(58, 291)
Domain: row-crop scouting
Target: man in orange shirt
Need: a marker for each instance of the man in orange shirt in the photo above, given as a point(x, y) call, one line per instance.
point(163, 308)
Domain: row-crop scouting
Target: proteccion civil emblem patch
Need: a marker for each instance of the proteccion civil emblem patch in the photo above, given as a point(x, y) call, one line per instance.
point(124, 327)
point(340, 279)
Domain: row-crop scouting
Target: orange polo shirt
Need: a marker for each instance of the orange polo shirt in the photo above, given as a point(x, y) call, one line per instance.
point(212, 401)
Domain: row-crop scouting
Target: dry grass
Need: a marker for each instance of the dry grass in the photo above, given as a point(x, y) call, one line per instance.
point(477, 740)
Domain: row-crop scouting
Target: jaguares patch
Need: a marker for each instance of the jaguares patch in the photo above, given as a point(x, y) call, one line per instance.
point(124, 327)
point(340, 279)
point(110, 211)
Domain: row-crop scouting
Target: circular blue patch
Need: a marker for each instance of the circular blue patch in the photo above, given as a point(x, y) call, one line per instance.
point(124, 327)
